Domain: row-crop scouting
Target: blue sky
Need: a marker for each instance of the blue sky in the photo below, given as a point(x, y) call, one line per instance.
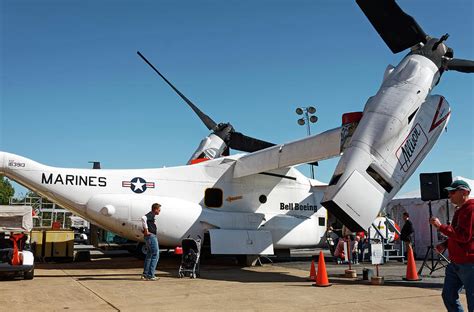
point(74, 90)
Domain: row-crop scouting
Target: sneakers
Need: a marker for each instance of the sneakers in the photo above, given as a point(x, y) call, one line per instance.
point(154, 278)
point(146, 278)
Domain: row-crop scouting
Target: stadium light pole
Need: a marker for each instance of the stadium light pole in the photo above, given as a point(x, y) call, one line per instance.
point(308, 118)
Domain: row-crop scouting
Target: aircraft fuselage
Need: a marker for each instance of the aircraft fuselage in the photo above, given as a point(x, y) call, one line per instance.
point(194, 199)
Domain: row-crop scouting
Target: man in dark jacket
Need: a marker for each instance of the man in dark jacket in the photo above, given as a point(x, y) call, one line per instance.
point(407, 233)
point(460, 243)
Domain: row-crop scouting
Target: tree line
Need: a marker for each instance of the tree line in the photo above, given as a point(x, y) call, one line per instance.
point(6, 191)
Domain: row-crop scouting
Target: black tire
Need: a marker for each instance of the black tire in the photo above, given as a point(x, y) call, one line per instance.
point(140, 251)
point(29, 275)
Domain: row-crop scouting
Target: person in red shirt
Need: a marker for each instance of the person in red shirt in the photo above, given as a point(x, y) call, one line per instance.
point(460, 243)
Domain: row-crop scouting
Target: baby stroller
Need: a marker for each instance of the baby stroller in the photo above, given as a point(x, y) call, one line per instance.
point(190, 258)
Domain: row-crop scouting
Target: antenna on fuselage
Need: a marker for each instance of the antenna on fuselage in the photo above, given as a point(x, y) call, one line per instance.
point(95, 164)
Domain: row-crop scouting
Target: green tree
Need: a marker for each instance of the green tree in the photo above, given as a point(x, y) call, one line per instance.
point(6, 190)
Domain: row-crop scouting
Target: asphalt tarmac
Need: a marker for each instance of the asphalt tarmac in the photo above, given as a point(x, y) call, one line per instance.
point(112, 283)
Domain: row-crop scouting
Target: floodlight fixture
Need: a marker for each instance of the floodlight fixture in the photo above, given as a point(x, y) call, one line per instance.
point(308, 118)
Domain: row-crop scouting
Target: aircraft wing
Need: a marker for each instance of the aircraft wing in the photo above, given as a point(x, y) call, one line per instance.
point(310, 149)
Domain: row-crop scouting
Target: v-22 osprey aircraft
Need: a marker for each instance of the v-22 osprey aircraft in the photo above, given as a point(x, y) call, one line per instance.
point(256, 203)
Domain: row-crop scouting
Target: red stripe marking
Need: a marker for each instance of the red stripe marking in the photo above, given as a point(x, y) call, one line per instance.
point(434, 123)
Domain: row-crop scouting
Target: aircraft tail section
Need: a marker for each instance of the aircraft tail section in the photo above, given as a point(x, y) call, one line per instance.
point(17, 167)
point(57, 184)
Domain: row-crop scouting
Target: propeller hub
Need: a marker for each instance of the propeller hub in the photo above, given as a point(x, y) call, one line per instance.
point(224, 131)
point(442, 55)
point(435, 50)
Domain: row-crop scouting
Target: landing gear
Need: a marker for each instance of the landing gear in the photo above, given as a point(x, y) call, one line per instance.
point(138, 251)
point(29, 275)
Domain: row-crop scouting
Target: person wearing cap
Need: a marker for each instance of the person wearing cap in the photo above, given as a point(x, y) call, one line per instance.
point(151, 241)
point(460, 233)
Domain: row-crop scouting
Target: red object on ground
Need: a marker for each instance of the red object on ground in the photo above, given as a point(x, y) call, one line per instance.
point(322, 275)
point(312, 272)
point(178, 250)
point(16, 255)
point(412, 274)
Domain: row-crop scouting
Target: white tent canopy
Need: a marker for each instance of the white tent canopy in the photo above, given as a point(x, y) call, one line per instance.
point(16, 219)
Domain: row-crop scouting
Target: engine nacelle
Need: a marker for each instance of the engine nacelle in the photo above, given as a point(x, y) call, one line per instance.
point(384, 152)
point(210, 147)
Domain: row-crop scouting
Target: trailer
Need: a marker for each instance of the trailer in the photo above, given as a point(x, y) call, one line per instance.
point(16, 257)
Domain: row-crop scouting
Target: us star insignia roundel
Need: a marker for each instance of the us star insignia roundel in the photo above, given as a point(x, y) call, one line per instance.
point(138, 185)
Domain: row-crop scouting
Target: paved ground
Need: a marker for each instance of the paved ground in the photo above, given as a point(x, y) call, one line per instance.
point(113, 284)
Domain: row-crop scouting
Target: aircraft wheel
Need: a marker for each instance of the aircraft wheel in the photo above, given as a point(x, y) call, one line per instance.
point(139, 251)
point(29, 275)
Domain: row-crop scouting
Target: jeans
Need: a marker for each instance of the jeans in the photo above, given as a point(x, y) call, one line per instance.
point(457, 276)
point(152, 255)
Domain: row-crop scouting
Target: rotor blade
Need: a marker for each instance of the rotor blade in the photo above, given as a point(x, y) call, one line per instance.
point(399, 30)
point(210, 124)
point(241, 142)
point(460, 65)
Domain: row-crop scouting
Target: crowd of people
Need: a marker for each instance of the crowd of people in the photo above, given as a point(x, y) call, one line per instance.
point(350, 247)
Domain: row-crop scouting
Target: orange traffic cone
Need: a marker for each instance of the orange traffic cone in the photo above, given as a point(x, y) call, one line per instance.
point(312, 272)
point(322, 276)
point(412, 275)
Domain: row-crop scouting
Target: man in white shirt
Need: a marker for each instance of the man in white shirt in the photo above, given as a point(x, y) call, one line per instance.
point(151, 240)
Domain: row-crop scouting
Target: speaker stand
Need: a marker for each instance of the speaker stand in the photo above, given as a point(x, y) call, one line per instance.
point(431, 250)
